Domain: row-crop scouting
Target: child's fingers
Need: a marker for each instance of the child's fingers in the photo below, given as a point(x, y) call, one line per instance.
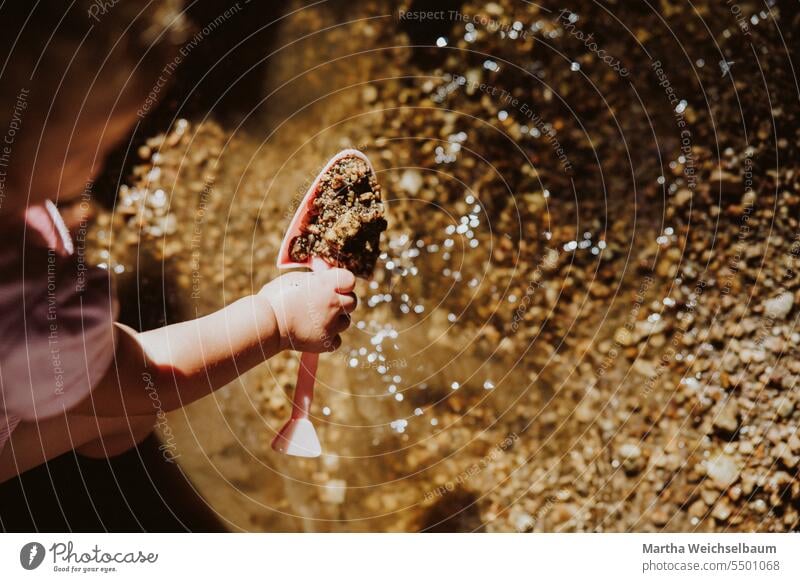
point(347, 302)
point(343, 280)
point(341, 323)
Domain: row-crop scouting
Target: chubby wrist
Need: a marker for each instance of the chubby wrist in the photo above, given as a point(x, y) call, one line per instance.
point(280, 335)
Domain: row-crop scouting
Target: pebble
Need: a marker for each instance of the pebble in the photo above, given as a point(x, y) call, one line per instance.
point(723, 471)
point(370, 94)
point(683, 196)
point(726, 419)
point(333, 491)
point(779, 307)
point(632, 461)
point(721, 511)
point(784, 453)
point(411, 182)
point(785, 407)
point(698, 509)
point(523, 521)
point(659, 517)
point(646, 368)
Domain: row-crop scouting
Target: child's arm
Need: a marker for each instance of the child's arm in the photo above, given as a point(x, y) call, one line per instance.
point(178, 364)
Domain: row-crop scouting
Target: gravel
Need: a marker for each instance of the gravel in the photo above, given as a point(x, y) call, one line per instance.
point(634, 309)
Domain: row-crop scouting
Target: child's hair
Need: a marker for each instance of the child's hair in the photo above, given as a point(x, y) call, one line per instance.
point(60, 55)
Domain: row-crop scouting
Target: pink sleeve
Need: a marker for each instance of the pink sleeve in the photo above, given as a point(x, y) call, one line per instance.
point(56, 330)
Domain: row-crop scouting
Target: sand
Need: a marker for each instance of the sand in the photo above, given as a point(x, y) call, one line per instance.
point(348, 219)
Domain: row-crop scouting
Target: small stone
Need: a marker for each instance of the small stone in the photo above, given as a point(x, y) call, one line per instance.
point(785, 407)
point(585, 412)
point(370, 94)
point(411, 182)
point(748, 355)
point(683, 196)
point(523, 521)
point(784, 453)
point(794, 443)
point(333, 491)
point(646, 368)
point(780, 306)
point(727, 418)
point(721, 511)
point(659, 517)
point(709, 496)
point(562, 513)
point(723, 471)
point(730, 362)
point(632, 461)
point(624, 337)
point(748, 483)
point(645, 329)
point(788, 381)
point(698, 509)
point(775, 344)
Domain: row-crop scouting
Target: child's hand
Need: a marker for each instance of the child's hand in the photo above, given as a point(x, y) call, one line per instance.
point(312, 308)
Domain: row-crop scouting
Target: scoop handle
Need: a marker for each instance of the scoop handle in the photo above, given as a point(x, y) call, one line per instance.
point(304, 390)
point(307, 374)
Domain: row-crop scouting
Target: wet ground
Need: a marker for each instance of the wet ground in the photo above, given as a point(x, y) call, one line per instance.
point(584, 317)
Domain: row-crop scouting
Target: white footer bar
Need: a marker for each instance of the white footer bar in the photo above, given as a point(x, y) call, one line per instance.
point(401, 557)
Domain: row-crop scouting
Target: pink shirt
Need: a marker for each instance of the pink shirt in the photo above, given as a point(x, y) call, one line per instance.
point(56, 323)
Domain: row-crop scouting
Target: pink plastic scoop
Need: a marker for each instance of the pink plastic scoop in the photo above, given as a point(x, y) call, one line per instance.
point(298, 436)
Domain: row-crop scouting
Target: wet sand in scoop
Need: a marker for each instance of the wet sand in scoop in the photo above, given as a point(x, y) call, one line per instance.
point(347, 219)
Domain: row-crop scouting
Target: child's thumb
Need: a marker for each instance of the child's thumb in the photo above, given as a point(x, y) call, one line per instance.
point(343, 280)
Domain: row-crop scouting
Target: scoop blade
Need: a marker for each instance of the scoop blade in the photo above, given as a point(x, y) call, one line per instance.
point(298, 438)
point(302, 215)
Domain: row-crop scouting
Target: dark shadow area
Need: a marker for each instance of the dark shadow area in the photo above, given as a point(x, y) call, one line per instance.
point(457, 511)
point(137, 491)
